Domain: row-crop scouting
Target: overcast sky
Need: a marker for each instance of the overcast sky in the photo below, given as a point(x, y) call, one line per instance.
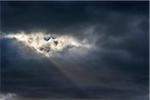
point(116, 69)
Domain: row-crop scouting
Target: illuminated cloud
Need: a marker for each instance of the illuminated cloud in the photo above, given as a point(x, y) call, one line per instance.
point(51, 45)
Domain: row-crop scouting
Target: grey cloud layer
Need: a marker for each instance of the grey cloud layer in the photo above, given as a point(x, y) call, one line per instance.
point(117, 70)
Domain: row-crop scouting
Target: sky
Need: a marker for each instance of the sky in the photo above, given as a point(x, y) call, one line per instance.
point(104, 51)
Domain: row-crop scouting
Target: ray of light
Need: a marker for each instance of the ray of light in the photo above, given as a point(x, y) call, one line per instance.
point(51, 47)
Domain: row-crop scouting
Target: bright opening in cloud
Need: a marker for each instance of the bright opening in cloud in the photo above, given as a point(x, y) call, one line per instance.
point(52, 45)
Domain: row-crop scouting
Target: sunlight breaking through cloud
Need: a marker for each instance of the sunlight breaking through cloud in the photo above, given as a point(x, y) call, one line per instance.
point(51, 45)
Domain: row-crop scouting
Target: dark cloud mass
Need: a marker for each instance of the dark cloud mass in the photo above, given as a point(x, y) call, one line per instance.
point(117, 69)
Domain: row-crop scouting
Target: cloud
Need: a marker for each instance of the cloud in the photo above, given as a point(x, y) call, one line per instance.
point(51, 46)
point(9, 96)
point(115, 66)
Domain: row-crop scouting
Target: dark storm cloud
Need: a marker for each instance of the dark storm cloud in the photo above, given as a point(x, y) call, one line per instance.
point(62, 16)
point(117, 70)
